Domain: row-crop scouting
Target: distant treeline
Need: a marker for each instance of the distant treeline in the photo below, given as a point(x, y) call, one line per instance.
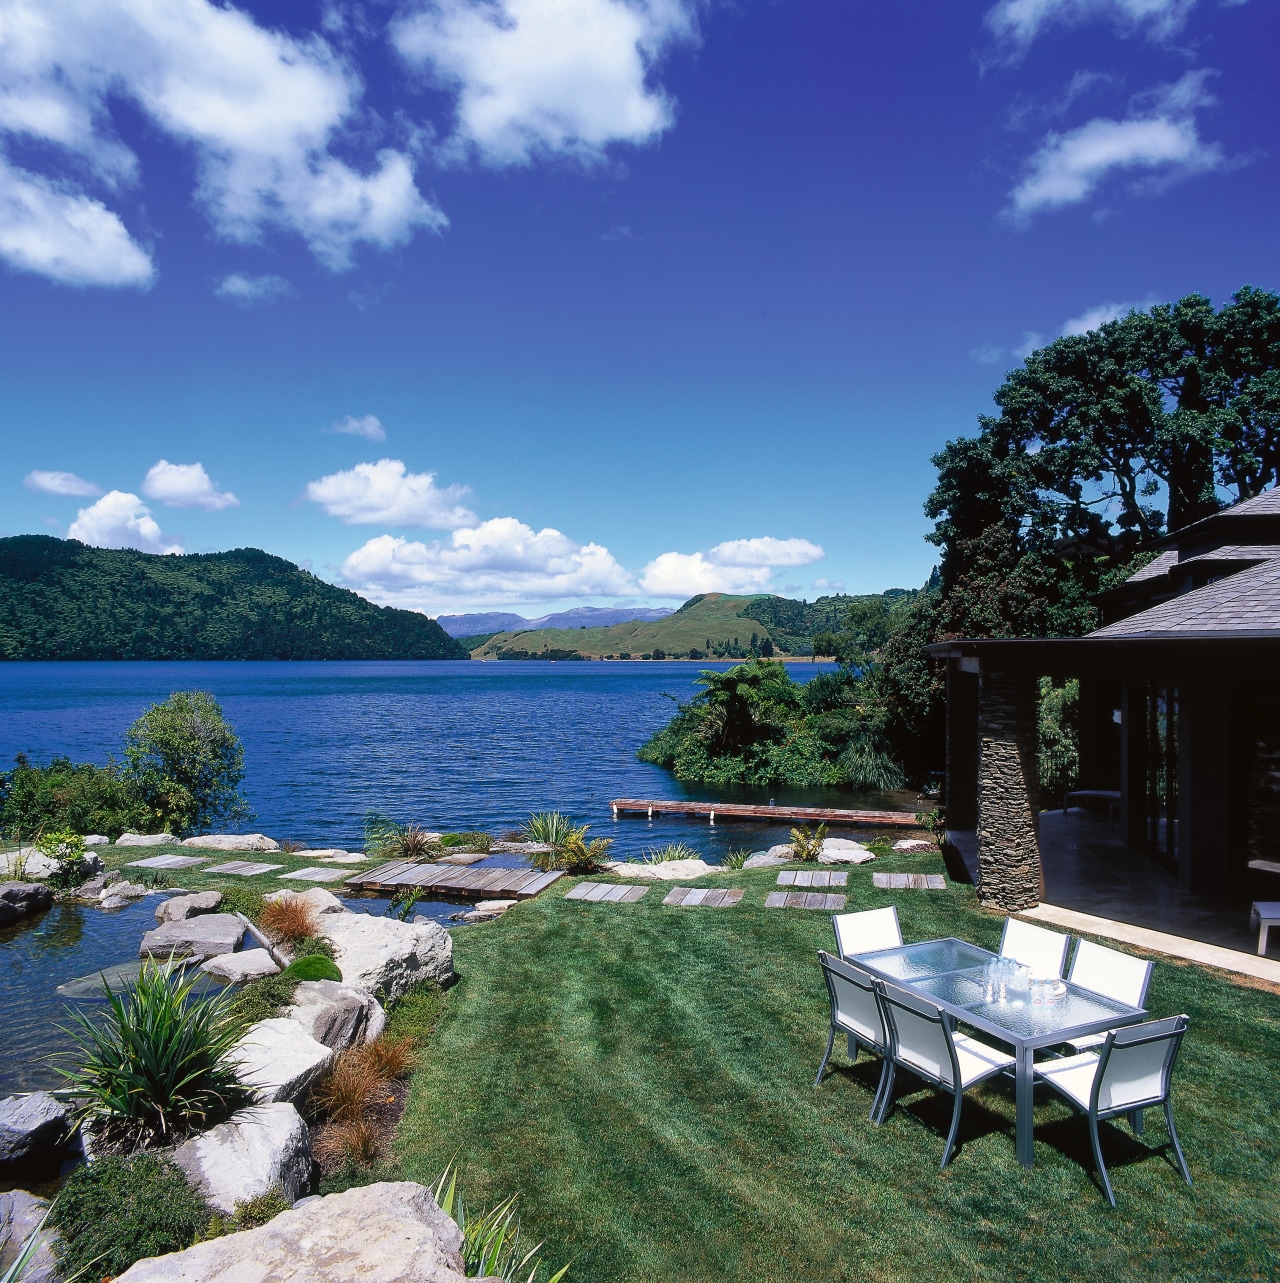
point(60, 599)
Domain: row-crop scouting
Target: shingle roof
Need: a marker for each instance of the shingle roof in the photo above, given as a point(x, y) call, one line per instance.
point(1165, 561)
point(1267, 504)
point(1246, 603)
point(1235, 552)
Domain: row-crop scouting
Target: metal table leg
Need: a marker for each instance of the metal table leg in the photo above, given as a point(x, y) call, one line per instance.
point(1025, 1107)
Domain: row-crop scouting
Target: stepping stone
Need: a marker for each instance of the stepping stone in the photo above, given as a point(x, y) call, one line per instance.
point(168, 862)
point(313, 875)
point(803, 900)
point(909, 881)
point(707, 897)
point(807, 878)
point(244, 868)
point(614, 892)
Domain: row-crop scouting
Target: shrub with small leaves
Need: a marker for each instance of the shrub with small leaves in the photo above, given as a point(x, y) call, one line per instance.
point(67, 849)
point(806, 843)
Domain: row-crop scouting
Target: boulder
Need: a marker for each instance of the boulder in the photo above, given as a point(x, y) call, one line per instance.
point(31, 1126)
point(914, 844)
point(331, 855)
point(765, 860)
point(487, 910)
point(233, 842)
point(20, 1217)
point(179, 908)
point(204, 937)
point(27, 862)
point(385, 956)
point(844, 851)
point(391, 1232)
point(96, 839)
point(254, 1150)
point(667, 871)
point(21, 899)
point(337, 1015)
point(279, 1060)
point(146, 839)
point(239, 968)
point(318, 898)
point(124, 891)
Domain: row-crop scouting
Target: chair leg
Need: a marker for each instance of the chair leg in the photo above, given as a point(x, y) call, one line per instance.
point(1097, 1158)
point(955, 1127)
point(1173, 1136)
point(826, 1055)
point(853, 1048)
point(886, 1094)
point(1136, 1122)
point(885, 1070)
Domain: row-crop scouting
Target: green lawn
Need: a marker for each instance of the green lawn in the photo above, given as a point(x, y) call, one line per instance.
point(643, 1077)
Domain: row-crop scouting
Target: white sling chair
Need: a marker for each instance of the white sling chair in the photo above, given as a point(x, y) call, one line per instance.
point(1130, 1073)
point(866, 931)
point(1112, 974)
point(855, 1012)
point(1045, 952)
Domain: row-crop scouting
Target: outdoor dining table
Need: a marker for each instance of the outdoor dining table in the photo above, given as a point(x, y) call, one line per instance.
point(949, 973)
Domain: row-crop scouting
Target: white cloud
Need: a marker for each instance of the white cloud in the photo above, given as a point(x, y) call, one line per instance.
point(765, 551)
point(185, 485)
point(368, 426)
point(49, 229)
point(537, 77)
point(499, 561)
point(62, 483)
point(120, 520)
point(248, 290)
point(1162, 139)
point(1094, 317)
point(1019, 22)
point(681, 574)
point(386, 493)
point(828, 585)
point(259, 110)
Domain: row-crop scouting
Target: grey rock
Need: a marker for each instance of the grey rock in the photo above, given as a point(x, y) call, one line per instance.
point(31, 1127)
point(279, 1060)
point(914, 844)
point(96, 839)
point(27, 862)
point(337, 1015)
point(333, 856)
point(179, 908)
point(125, 891)
point(146, 839)
point(239, 968)
point(391, 1232)
point(667, 871)
point(233, 842)
point(764, 860)
point(487, 910)
point(204, 937)
point(254, 1150)
point(318, 898)
point(20, 1216)
point(21, 899)
point(383, 955)
point(844, 851)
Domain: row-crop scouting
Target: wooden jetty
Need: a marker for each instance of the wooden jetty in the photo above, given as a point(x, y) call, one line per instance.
point(453, 882)
point(740, 811)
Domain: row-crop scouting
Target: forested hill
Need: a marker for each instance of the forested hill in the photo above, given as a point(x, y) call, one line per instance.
point(60, 599)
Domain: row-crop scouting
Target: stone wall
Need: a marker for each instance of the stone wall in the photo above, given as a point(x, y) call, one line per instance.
point(1009, 873)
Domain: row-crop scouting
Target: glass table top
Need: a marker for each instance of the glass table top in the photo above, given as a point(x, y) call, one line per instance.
point(912, 962)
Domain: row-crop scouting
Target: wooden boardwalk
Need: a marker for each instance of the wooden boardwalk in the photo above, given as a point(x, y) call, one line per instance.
point(909, 881)
point(815, 878)
point(613, 892)
point(452, 881)
point(803, 900)
point(740, 811)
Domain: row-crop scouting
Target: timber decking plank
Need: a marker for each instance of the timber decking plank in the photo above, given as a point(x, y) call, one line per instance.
point(529, 889)
point(169, 862)
point(313, 875)
point(243, 868)
point(633, 894)
point(909, 881)
point(599, 891)
point(740, 810)
point(812, 878)
point(803, 900)
point(708, 897)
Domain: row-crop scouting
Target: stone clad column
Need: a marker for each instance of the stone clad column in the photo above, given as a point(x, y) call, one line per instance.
point(1009, 872)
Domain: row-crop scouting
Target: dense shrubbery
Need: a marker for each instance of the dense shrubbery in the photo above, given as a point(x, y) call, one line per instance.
point(65, 795)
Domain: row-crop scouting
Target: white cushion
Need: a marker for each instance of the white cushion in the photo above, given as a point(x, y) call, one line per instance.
point(1072, 1075)
point(977, 1060)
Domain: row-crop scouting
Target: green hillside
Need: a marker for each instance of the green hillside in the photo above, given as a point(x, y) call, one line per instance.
point(60, 599)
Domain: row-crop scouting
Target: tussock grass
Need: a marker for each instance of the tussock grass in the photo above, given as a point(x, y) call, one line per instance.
point(290, 919)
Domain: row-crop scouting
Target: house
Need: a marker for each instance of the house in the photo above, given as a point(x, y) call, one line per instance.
point(1179, 719)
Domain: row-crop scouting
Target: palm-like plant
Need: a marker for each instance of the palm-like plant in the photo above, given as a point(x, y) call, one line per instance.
point(550, 828)
point(806, 843)
point(159, 1065)
point(386, 839)
point(672, 851)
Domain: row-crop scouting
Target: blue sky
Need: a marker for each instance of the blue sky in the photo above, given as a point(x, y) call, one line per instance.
point(534, 303)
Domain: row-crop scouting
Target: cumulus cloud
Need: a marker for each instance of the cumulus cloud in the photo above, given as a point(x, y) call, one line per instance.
point(387, 493)
point(765, 551)
point(120, 520)
point(185, 485)
point(51, 230)
point(259, 109)
point(60, 483)
point(1161, 139)
point(368, 426)
point(248, 290)
point(499, 561)
point(1018, 22)
point(1095, 317)
point(736, 566)
point(539, 77)
point(828, 585)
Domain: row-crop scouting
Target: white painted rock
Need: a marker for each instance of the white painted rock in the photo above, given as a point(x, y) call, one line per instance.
point(913, 844)
point(244, 1157)
point(336, 1014)
point(20, 1216)
point(279, 1060)
point(204, 937)
point(765, 859)
point(96, 839)
point(391, 1232)
point(239, 968)
point(233, 842)
point(146, 839)
point(179, 908)
point(30, 1126)
point(385, 956)
point(668, 871)
point(844, 851)
point(318, 898)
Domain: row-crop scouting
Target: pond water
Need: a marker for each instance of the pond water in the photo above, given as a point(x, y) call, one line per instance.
point(450, 745)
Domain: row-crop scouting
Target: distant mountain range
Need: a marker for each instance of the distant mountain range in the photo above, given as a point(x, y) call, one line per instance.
point(578, 617)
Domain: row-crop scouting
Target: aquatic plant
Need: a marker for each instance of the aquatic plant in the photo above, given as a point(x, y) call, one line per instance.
point(736, 857)
point(806, 843)
point(403, 901)
point(672, 851)
point(491, 1241)
point(291, 918)
point(386, 839)
point(158, 1065)
point(574, 854)
point(550, 828)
